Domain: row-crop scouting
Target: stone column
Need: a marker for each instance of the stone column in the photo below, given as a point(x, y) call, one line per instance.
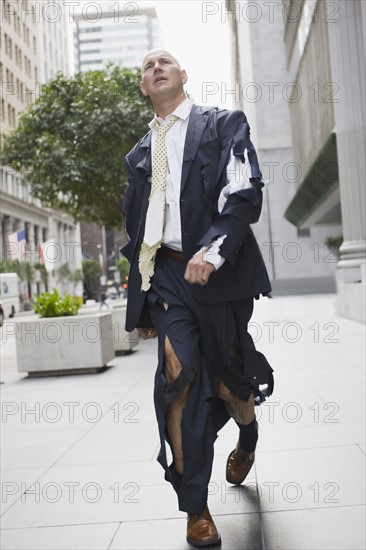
point(36, 236)
point(347, 40)
point(18, 225)
point(30, 248)
point(2, 249)
point(8, 230)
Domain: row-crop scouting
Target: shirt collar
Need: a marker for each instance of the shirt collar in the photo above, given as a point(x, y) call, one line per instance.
point(182, 111)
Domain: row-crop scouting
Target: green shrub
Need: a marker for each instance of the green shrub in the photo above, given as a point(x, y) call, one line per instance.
point(51, 304)
point(333, 244)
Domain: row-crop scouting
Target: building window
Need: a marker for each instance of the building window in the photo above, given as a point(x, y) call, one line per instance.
point(26, 35)
point(28, 97)
point(19, 90)
point(303, 232)
point(90, 29)
point(84, 52)
point(90, 41)
point(3, 110)
point(18, 57)
point(6, 10)
point(10, 76)
point(90, 61)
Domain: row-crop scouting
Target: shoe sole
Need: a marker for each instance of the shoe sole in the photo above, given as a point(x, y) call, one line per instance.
point(201, 544)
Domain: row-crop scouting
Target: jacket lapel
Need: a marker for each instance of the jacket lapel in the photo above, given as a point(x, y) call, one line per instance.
point(196, 126)
point(145, 166)
point(145, 162)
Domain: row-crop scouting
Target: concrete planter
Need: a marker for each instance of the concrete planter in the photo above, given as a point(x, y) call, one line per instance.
point(64, 345)
point(123, 341)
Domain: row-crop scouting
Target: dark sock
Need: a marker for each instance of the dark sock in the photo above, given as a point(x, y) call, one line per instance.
point(248, 436)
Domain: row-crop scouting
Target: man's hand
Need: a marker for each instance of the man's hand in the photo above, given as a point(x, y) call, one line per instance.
point(198, 270)
point(146, 333)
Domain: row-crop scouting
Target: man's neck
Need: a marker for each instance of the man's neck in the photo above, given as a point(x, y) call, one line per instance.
point(164, 109)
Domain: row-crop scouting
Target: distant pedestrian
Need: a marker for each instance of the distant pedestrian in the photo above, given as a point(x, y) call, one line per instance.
point(103, 298)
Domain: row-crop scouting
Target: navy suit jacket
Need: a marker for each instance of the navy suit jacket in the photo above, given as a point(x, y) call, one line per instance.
point(211, 134)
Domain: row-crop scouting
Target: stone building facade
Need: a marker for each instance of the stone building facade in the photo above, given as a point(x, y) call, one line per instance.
point(34, 46)
point(303, 92)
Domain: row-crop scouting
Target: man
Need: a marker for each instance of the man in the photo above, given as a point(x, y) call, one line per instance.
point(194, 189)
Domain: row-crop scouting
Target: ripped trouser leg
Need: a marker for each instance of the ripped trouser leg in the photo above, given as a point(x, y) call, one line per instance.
point(241, 411)
point(173, 369)
point(243, 414)
point(182, 392)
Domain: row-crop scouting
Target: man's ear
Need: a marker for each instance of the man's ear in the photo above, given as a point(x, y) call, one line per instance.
point(184, 76)
point(142, 88)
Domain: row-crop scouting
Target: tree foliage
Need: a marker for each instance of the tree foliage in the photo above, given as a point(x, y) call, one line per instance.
point(24, 270)
point(71, 143)
point(92, 272)
point(123, 266)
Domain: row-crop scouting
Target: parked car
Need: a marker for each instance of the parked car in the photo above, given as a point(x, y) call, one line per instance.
point(9, 295)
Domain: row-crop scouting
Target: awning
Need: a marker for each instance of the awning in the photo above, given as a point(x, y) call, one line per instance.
point(319, 183)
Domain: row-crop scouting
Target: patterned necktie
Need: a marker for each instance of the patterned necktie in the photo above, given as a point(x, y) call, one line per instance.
point(155, 216)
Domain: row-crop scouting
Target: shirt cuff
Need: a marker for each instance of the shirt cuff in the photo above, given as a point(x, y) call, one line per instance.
point(211, 254)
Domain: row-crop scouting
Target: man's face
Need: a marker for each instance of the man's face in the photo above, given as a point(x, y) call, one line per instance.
point(162, 75)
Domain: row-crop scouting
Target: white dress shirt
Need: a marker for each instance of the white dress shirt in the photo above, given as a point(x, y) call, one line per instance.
point(238, 177)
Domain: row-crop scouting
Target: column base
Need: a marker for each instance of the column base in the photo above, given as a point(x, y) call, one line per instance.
point(351, 292)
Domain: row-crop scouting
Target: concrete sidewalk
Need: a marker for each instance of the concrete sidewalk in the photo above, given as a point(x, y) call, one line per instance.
point(79, 466)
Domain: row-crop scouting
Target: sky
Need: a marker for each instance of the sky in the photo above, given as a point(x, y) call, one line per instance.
point(196, 33)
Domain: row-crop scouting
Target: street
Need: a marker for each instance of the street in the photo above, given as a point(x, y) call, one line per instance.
point(79, 466)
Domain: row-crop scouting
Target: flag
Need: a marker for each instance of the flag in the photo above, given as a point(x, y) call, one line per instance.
point(16, 245)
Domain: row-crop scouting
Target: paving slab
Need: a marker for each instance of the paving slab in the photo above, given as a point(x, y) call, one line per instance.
point(66, 537)
point(315, 529)
point(237, 532)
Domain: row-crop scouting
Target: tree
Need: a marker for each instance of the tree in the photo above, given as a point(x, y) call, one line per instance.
point(91, 275)
point(66, 275)
point(71, 143)
point(24, 270)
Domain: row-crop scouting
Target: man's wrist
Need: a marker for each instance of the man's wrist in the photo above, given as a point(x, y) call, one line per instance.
point(214, 258)
point(211, 253)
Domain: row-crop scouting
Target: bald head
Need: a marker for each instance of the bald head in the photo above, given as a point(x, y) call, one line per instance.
point(157, 52)
point(162, 80)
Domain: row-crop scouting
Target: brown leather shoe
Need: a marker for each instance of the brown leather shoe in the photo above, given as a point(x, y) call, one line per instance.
point(201, 530)
point(238, 465)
